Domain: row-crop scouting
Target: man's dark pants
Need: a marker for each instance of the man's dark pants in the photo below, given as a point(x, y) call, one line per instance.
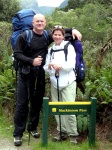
point(31, 88)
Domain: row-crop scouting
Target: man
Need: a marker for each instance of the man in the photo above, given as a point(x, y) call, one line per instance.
point(31, 78)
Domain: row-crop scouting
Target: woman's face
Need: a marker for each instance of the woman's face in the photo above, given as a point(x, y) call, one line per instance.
point(58, 37)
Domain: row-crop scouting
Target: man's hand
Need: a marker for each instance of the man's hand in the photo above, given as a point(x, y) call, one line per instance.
point(37, 61)
point(76, 33)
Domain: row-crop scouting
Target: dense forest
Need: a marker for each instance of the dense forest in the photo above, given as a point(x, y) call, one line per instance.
point(93, 18)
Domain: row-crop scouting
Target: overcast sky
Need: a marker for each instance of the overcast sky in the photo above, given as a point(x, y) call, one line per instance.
point(54, 3)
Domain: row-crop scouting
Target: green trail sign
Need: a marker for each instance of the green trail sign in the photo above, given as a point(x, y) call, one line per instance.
point(68, 108)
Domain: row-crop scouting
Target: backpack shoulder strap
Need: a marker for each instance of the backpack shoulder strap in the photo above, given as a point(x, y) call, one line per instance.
point(66, 50)
point(55, 50)
point(46, 36)
point(29, 35)
point(52, 50)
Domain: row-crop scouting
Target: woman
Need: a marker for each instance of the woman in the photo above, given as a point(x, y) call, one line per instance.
point(59, 68)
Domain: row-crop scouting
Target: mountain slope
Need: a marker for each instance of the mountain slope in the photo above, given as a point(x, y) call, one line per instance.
point(33, 4)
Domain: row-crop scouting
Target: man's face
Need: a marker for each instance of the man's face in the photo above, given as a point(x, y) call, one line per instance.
point(39, 22)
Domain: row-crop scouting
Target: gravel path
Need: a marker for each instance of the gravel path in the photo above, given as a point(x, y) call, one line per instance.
point(6, 144)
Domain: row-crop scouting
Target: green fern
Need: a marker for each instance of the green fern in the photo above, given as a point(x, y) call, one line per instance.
point(82, 123)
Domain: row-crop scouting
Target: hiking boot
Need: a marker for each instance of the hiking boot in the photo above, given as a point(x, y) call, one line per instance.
point(35, 133)
point(73, 139)
point(17, 141)
point(57, 137)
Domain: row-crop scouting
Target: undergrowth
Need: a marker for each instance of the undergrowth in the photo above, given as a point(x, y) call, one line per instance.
point(7, 127)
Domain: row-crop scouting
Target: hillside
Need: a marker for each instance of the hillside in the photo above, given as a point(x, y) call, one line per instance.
point(33, 4)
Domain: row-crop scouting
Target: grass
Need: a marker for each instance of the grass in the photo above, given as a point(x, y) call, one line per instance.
point(6, 132)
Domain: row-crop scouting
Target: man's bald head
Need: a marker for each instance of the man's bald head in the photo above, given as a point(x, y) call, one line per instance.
point(39, 16)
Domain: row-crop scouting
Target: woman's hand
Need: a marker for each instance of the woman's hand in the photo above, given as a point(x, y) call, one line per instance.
point(56, 67)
